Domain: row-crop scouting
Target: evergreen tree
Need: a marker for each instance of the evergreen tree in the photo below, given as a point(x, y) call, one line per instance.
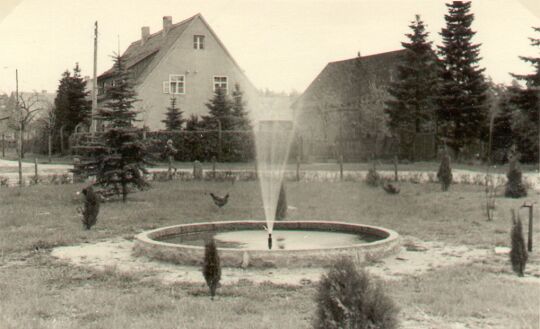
point(117, 157)
point(281, 207)
point(211, 267)
point(238, 110)
point(527, 100)
point(220, 109)
point(445, 172)
point(72, 106)
point(174, 119)
point(502, 138)
point(514, 186)
point(518, 253)
point(462, 111)
point(411, 109)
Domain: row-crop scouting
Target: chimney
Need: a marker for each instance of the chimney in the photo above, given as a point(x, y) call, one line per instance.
point(145, 33)
point(167, 23)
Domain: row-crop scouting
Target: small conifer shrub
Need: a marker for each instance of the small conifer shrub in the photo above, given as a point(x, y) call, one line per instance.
point(347, 298)
point(518, 253)
point(373, 178)
point(90, 209)
point(514, 186)
point(445, 172)
point(211, 267)
point(281, 208)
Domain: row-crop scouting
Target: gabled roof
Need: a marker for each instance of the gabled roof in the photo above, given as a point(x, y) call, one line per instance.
point(153, 49)
point(148, 55)
point(341, 83)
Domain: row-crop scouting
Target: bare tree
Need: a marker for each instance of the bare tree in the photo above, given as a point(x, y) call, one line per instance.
point(47, 123)
point(21, 116)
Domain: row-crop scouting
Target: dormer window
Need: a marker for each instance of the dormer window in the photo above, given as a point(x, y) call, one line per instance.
point(198, 41)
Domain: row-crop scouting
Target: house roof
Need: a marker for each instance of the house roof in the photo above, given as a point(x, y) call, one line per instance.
point(341, 82)
point(151, 51)
point(146, 56)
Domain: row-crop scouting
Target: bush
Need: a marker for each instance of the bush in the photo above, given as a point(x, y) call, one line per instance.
point(514, 185)
point(444, 175)
point(518, 253)
point(347, 298)
point(211, 267)
point(90, 210)
point(373, 178)
point(281, 208)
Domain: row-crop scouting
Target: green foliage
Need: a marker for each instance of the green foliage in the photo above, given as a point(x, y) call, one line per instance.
point(347, 298)
point(527, 100)
point(373, 178)
point(462, 110)
point(514, 185)
point(211, 267)
point(174, 119)
point(445, 172)
point(411, 109)
point(90, 209)
point(117, 156)
point(503, 134)
point(518, 253)
point(71, 105)
point(281, 208)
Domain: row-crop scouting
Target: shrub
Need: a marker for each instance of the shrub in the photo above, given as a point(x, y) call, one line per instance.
point(518, 253)
point(211, 267)
point(91, 207)
point(281, 208)
point(373, 178)
point(347, 298)
point(445, 172)
point(514, 185)
point(4, 181)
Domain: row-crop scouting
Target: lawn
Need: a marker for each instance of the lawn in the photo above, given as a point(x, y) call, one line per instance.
point(36, 291)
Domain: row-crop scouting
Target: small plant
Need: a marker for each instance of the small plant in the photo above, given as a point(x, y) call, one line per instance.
point(514, 185)
point(281, 208)
point(518, 253)
point(211, 267)
point(445, 172)
point(4, 181)
point(35, 180)
point(490, 191)
point(347, 298)
point(90, 209)
point(373, 178)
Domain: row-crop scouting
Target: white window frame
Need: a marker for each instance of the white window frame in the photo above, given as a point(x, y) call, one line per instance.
point(198, 41)
point(214, 83)
point(173, 81)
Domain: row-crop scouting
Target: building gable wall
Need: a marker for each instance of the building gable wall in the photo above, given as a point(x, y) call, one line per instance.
point(199, 67)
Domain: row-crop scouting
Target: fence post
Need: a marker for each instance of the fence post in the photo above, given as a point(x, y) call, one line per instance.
point(341, 167)
point(297, 168)
point(50, 147)
point(3, 145)
point(35, 168)
point(214, 167)
point(395, 168)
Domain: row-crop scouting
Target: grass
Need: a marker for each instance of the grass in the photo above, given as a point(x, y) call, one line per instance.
point(38, 292)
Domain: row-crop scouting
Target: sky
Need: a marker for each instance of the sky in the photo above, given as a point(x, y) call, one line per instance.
point(281, 44)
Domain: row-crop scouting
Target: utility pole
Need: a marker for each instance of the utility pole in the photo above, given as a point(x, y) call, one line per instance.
point(20, 146)
point(94, 82)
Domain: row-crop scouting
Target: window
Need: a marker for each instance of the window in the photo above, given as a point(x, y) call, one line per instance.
point(220, 83)
point(176, 85)
point(198, 41)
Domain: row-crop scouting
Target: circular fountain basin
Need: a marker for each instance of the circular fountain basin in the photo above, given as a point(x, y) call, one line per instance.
point(245, 243)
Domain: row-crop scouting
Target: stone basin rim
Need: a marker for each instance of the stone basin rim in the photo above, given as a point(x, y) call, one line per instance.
point(387, 235)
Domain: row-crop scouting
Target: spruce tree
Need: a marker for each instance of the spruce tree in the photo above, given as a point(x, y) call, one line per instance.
point(462, 110)
point(220, 109)
point(174, 119)
point(518, 253)
point(411, 109)
point(281, 207)
point(241, 119)
point(242, 140)
point(72, 106)
point(211, 267)
point(117, 156)
point(527, 101)
point(503, 135)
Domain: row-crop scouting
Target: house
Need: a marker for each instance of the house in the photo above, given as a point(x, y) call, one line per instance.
point(185, 60)
point(342, 110)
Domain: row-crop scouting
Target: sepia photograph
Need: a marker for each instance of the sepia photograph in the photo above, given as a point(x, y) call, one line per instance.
point(278, 164)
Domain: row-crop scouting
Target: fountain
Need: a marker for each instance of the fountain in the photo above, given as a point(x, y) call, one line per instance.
point(242, 243)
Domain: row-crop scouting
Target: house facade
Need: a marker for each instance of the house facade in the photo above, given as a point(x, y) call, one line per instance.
point(185, 60)
point(341, 113)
